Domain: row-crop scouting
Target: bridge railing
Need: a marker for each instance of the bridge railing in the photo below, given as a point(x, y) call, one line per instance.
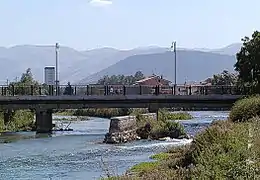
point(88, 90)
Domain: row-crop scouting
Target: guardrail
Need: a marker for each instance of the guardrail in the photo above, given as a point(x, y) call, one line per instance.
point(101, 90)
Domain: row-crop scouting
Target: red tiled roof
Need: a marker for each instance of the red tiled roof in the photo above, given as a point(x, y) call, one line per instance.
point(150, 77)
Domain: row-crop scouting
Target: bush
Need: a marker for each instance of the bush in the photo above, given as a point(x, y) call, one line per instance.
point(19, 121)
point(219, 152)
point(155, 129)
point(245, 109)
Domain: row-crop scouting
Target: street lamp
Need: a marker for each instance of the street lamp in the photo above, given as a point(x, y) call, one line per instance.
point(57, 78)
point(175, 65)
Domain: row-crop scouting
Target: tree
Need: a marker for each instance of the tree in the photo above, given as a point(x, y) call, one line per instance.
point(26, 86)
point(223, 79)
point(121, 79)
point(248, 63)
point(139, 75)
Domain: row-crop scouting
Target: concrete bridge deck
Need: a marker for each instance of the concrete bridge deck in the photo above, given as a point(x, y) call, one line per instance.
point(118, 101)
point(44, 105)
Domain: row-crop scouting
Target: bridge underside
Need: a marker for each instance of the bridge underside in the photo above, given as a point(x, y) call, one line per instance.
point(135, 101)
point(44, 105)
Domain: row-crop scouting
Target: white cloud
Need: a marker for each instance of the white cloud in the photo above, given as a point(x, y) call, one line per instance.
point(101, 2)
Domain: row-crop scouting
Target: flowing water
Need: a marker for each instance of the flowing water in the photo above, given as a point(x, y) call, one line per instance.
point(80, 154)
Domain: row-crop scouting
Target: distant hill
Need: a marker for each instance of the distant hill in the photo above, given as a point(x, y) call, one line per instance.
point(229, 50)
point(191, 65)
point(75, 65)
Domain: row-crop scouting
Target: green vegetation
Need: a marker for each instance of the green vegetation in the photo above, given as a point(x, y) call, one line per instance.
point(148, 128)
point(221, 151)
point(145, 167)
point(178, 116)
point(161, 156)
point(245, 109)
point(20, 120)
point(248, 65)
point(113, 112)
point(17, 121)
point(224, 78)
point(121, 79)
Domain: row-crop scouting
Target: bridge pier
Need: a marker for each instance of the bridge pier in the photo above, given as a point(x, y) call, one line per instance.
point(7, 116)
point(154, 109)
point(43, 121)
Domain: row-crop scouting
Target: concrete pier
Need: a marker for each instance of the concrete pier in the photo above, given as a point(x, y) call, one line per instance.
point(7, 116)
point(43, 121)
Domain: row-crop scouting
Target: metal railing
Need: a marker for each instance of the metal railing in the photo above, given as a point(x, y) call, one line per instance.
point(88, 90)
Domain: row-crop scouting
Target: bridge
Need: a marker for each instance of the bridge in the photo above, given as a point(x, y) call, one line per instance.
point(44, 99)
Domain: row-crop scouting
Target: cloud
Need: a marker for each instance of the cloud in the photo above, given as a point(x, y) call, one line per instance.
point(101, 2)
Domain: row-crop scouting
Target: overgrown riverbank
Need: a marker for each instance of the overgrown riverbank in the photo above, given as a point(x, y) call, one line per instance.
point(115, 112)
point(226, 150)
point(19, 120)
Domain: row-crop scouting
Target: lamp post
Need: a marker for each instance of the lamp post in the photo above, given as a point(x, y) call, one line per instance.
point(175, 65)
point(56, 67)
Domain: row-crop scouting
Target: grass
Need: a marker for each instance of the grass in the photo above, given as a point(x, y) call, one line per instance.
point(220, 152)
point(161, 156)
point(226, 150)
point(145, 167)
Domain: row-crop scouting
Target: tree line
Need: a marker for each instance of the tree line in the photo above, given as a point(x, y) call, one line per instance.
point(121, 79)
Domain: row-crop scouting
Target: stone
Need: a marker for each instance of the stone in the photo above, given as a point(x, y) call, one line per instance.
point(123, 129)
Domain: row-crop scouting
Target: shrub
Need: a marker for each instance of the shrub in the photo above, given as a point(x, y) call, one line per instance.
point(20, 120)
point(219, 152)
point(245, 109)
point(155, 129)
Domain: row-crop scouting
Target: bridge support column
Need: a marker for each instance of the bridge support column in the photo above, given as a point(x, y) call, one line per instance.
point(43, 121)
point(7, 116)
point(154, 109)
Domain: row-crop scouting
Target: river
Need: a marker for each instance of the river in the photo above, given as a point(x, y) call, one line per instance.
point(80, 154)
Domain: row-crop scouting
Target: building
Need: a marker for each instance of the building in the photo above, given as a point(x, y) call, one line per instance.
point(49, 75)
point(149, 84)
point(153, 81)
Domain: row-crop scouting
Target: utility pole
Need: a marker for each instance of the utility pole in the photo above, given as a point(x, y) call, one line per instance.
point(175, 65)
point(56, 68)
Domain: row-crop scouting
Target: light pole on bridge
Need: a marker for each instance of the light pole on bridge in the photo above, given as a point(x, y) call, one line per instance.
point(173, 47)
point(56, 67)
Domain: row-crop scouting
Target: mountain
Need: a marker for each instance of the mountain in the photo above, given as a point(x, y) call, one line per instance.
point(75, 65)
point(191, 65)
point(229, 50)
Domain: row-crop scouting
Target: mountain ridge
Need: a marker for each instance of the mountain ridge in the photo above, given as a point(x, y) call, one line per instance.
point(74, 65)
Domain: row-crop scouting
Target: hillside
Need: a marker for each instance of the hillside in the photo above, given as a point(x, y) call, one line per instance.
point(191, 65)
point(76, 65)
point(73, 65)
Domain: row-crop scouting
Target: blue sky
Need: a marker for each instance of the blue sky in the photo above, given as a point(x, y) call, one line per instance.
point(125, 24)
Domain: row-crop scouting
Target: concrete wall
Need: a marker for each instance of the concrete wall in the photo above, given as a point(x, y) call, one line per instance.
point(123, 129)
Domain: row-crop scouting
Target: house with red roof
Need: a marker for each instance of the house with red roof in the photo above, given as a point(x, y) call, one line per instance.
point(153, 81)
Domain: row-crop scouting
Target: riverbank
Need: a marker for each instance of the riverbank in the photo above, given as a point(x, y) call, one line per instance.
point(222, 151)
point(19, 120)
point(82, 154)
point(115, 112)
